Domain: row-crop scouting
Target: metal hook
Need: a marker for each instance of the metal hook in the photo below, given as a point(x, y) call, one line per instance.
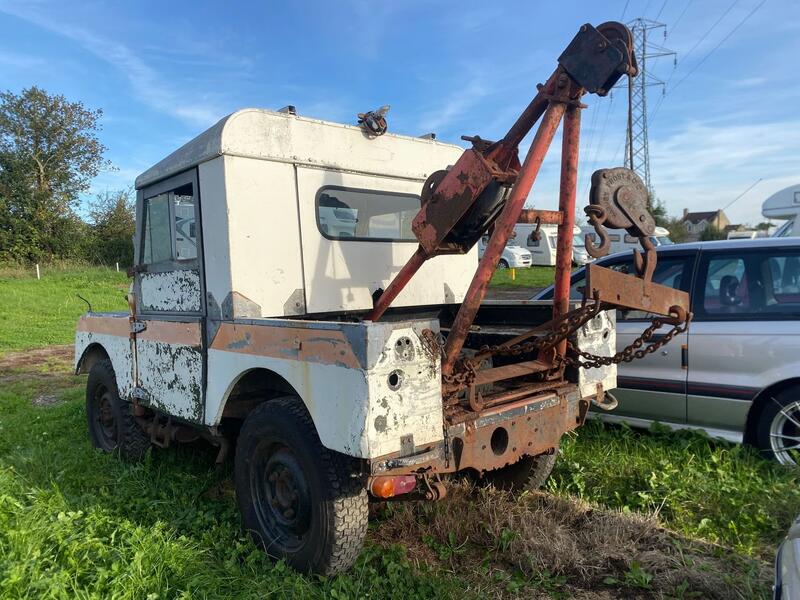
point(597, 217)
point(645, 266)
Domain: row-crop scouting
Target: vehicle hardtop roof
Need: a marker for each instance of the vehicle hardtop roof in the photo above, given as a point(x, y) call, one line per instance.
point(765, 242)
point(284, 137)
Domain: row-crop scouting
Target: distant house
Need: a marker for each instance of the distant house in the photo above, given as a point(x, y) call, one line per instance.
point(697, 222)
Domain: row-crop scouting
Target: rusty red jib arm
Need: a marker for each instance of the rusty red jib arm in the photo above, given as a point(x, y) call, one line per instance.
point(487, 187)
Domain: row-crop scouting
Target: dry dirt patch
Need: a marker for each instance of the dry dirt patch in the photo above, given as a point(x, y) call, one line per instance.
point(596, 553)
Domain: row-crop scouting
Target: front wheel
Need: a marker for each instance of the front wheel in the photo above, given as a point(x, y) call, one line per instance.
point(300, 501)
point(503, 264)
point(112, 426)
point(778, 427)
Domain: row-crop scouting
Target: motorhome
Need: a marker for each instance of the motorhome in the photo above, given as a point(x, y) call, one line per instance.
point(784, 204)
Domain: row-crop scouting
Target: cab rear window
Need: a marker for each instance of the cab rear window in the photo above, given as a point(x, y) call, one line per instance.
point(366, 215)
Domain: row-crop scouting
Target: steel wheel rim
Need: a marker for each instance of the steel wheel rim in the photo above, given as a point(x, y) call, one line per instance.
point(103, 419)
point(281, 498)
point(784, 434)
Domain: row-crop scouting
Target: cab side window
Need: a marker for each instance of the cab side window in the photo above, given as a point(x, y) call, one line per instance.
point(170, 228)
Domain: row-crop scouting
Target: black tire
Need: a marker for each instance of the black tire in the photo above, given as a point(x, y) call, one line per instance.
point(502, 264)
point(778, 427)
point(300, 501)
point(528, 473)
point(112, 427)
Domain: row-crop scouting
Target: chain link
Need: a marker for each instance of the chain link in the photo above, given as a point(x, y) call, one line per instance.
point(631, 352)
point(466, 368)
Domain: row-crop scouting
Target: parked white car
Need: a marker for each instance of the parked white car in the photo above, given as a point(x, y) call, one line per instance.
point(735, 372)
point(514, 256)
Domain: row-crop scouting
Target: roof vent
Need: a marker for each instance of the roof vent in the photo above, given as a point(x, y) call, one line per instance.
point(289, 109)
point(428, 136)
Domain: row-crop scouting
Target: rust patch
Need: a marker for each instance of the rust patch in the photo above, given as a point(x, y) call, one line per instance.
point(116, 325)
point(308, 345)
point(184, 334)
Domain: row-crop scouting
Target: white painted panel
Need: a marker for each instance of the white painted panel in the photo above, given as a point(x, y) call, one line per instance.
point(342, 275)
point(336, 397)
point(118, 349)
point(264, 234)
point(216, 239)
point(258, 133)
point(172, 377)
point(355, 411)
point(177, 291)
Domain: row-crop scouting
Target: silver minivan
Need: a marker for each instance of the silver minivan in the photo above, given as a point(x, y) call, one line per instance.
point(735, 372)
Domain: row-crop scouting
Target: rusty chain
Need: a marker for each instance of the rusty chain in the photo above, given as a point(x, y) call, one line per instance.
point(631, 352)
point(467, 367)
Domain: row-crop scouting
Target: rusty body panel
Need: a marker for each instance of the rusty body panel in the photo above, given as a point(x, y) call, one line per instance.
point(497, 437)
point(314, 345)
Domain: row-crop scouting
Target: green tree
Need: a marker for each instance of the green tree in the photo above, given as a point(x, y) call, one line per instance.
point(113, 223)
point(49, 153)
point(712, 233)
point(677, 229)
point(659, 211)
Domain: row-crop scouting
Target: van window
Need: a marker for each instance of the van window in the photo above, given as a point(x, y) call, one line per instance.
point(614, 237)
point(629, 239)
point(369, 215)
point(170, 230)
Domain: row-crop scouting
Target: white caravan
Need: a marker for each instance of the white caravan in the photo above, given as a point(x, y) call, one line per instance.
point(543, 246)
point(622, 241)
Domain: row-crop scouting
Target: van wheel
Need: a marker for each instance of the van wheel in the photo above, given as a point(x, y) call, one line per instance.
point(300, 501)
point(112, 426)
point(778, 427)
point(502, 264)
point(528, 473)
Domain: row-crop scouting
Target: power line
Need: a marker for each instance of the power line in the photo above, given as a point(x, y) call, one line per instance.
point(704, 36)
point(678, 20)
point(743, 193)
point(710, 29)
point(624, 10)
point(722, 41)
point(658, 14)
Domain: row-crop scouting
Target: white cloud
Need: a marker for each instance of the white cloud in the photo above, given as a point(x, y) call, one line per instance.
point(704, 167)
point(148, 86)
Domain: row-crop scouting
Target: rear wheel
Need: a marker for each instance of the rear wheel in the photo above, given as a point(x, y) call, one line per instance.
point(300, 501)
point(528, 473)
point(112, 426)
point(778, 427)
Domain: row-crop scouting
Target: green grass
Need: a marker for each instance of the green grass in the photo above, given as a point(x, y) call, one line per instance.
point(534, 277)
point(713, 490)
point(77, 523)
point(35, 313)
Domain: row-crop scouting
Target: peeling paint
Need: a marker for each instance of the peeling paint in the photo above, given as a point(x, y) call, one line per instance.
point(177, 291)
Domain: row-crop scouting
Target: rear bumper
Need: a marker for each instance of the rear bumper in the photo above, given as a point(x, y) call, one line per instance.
point(496, 437)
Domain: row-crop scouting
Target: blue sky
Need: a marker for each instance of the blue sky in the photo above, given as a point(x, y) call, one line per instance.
point(165, 71)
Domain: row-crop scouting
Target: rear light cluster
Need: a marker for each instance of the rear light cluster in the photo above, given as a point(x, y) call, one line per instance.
point(391, 486)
